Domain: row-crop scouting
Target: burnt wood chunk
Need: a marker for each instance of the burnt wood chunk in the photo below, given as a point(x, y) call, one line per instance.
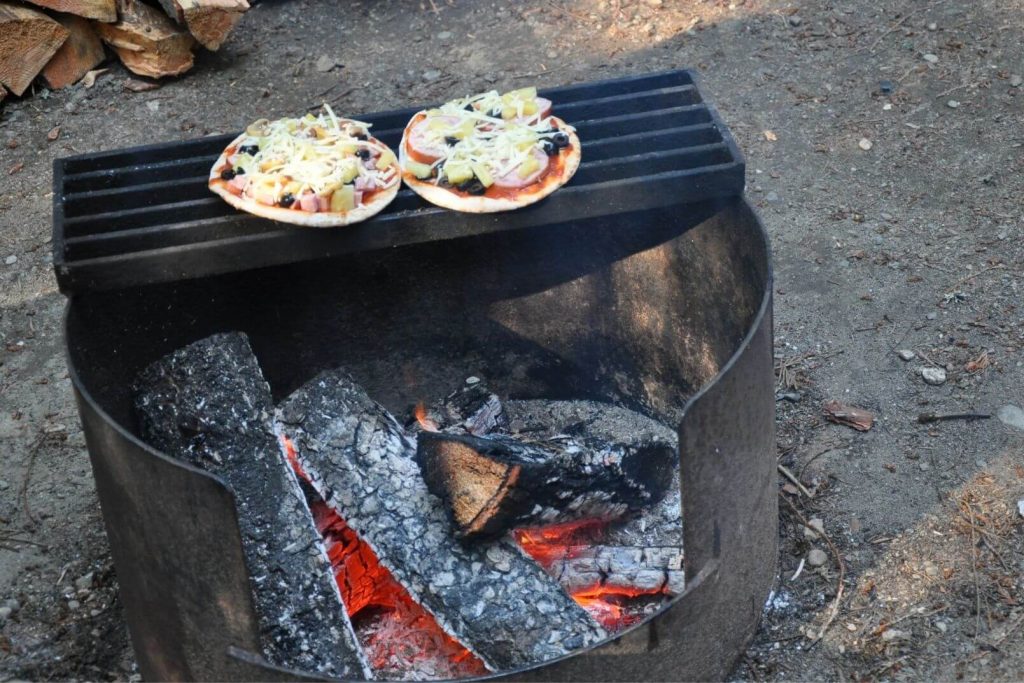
point(491, 485)
point(471, 408)
point(616, 569)
point(490, 597)
point(209, 405)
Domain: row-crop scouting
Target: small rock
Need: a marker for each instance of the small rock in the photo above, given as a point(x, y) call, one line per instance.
point(924, 466)
point(942, 626)
point(1016, 81)
point(70, 107)
point(84, 582)
point(895, 634)
point(930, 58)
point(552, 54)
point(472, 380)
point(932, 316)
point(153, 105)
point(654, 3)
point(10, 260)
point(74, 604)
point(817, 557)
point(885, 87)
point(431, 75)
point(444, 35)
point(887, 106)
point(4, 485)
point(819, 528)
point(932, 26)
point(771, 197)
point(931, 569)
point(12, 604)
point(906, 354)
point(1020, 507)
point(325, 63)
point(5, 613)
point(885, 216)
point(795, 20)
point(865, 144)
point(952, 104)
point(1012, 416)
point(934, 376)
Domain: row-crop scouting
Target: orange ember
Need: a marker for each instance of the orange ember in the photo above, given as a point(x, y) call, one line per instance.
point(396, 633)
point(614, 607)
point(420, 413)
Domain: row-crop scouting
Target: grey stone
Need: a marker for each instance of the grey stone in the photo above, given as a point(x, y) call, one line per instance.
point(817, 557)
point(930, 58)
point(153, 105)
point(431, 75)
point(924, 466)
point(444, 35)
point(934, 376)
point(932, 316)
point(895, 634)
point(772, 197)
point(84, 582)
point(325, 64)
point(74, 604)
point(906, 354)
point(11, 260)
point(952, 104)
point(1016, 81)
point(5, 613)
point(1012, 416)
point(818, 528)
point(932, 26)
point(795, 20)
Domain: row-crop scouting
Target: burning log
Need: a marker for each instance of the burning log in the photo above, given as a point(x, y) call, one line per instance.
point(28, 39)
point(80, 53)
point(209, 404)
point(147, 42)
point(472, 408)
point(491, 485)
point(490, 597)
point(209, 21)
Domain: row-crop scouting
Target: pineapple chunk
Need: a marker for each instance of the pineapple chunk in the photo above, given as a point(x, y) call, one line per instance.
point(349, 171)
point(421, 171)
point(458, 173)
point(483, 175)
point(508, 112)
point(529, 107)
point(529, 167)
point(524, 93)
point(386, 159)
point(343, 199)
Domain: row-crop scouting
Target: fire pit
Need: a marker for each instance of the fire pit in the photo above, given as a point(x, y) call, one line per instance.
point(658, 306)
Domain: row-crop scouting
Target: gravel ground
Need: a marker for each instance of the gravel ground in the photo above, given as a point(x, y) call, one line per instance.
point(885, 151)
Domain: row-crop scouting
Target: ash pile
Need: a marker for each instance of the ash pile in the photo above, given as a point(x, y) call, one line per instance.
point(479, 535)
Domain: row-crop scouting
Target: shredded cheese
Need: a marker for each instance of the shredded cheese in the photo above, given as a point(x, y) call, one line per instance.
point(489, 131)
point(314, 154)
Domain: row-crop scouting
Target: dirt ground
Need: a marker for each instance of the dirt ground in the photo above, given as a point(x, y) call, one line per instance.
point(885, 150)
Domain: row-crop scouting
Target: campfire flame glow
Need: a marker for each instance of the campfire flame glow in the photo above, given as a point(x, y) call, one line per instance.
point(614, 607)
point(398, 636)
point(420, 413)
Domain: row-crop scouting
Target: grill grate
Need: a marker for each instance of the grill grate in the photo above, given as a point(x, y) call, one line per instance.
point(142, 215)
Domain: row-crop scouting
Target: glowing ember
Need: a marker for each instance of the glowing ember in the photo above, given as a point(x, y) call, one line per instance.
point(420, 413)
point(400, 638)
point(614, 607)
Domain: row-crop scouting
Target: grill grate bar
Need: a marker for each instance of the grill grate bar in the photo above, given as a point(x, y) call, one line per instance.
point(142, 215)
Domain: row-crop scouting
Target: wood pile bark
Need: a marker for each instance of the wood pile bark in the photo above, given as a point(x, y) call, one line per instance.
point(62, 40)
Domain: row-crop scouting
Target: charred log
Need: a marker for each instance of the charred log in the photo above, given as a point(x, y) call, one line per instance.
point(470, 409)
point(490, 597)
point(209, 404)
point(660, 525)
point(491, 485)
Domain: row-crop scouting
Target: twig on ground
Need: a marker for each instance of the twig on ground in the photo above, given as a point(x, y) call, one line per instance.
point(926, 418)
point(833, 609)
point(796, 482)
point(23, 491)
point(962, 280)
point(955, 88)
point(813, 458)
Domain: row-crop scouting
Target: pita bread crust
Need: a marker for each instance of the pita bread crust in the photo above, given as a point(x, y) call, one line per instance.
point(321, 219)
point(477, 204)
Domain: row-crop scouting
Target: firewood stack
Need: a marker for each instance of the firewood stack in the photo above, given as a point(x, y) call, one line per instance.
point(62, 40)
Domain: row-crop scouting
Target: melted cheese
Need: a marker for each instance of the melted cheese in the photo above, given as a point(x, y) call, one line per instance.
point(494, 143)
point(312, 154)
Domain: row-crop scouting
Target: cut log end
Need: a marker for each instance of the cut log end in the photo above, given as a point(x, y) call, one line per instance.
point(148, 43)
point(28, 40)
point(80, 53)
point(100, 10)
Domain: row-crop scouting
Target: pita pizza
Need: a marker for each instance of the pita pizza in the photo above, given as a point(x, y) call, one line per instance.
point(488, 152)
point(316, 171)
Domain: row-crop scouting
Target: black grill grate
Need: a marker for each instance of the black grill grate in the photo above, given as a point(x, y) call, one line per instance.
point(143, 215)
